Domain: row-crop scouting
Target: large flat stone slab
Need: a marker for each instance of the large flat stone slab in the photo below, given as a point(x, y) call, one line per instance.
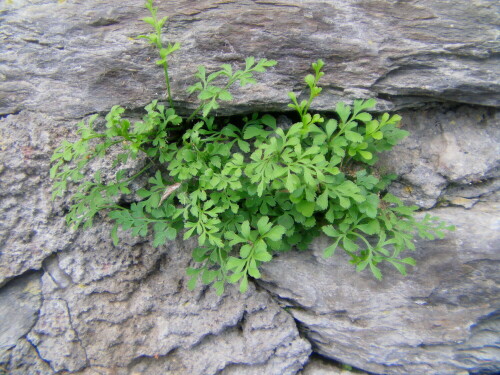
point(441, 318)
point(77, 58)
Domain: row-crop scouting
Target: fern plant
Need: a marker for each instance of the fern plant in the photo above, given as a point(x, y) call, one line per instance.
point(249, 189)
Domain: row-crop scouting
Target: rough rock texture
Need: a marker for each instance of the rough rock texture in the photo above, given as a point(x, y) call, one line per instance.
point(127, 310)
point(24, 359)
point(441, 318)
point(82, 56)
point(73, 303)
point(320, 366)
point(449, 150)
point(30, 229)
point(20, 302)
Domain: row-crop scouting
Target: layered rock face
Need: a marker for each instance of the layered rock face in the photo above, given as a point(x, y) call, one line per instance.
point(441, 318)
point(71, 302)
point(83, 56)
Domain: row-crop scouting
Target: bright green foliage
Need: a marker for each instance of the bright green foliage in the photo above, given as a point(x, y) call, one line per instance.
point(210, 94)
point(245, 190)
point(155, 39)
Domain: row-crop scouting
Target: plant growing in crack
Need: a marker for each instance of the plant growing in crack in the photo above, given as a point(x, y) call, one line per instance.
point(246, 190)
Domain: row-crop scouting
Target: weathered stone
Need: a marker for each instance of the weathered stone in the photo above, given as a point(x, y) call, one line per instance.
point(82, 56)
point(127, 310)
point(32, 226)
point(487, 189)
point(25, 360)
point(454, 149)
point(55, 338)
point(441, 318)
point(20, 301)
point(30, 229)
point(319, 366)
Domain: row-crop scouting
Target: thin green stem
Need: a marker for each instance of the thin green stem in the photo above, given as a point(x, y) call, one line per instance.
point(231, 80)
point(221, 261)
point(159, 46)
point(94, 136)
point(140, 172)
point(362, 238)
point(195, 112)
point(167, 82)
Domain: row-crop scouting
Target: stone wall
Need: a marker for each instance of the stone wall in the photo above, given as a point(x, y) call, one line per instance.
point(71, 302)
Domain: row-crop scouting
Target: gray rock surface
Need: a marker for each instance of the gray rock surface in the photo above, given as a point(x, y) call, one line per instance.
point(30, 230)
point(441, 318)
point(24, 359)
point(127, 310)
point(20, 302)
point(451, 154)
point(320, 366)
point(82, 56)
